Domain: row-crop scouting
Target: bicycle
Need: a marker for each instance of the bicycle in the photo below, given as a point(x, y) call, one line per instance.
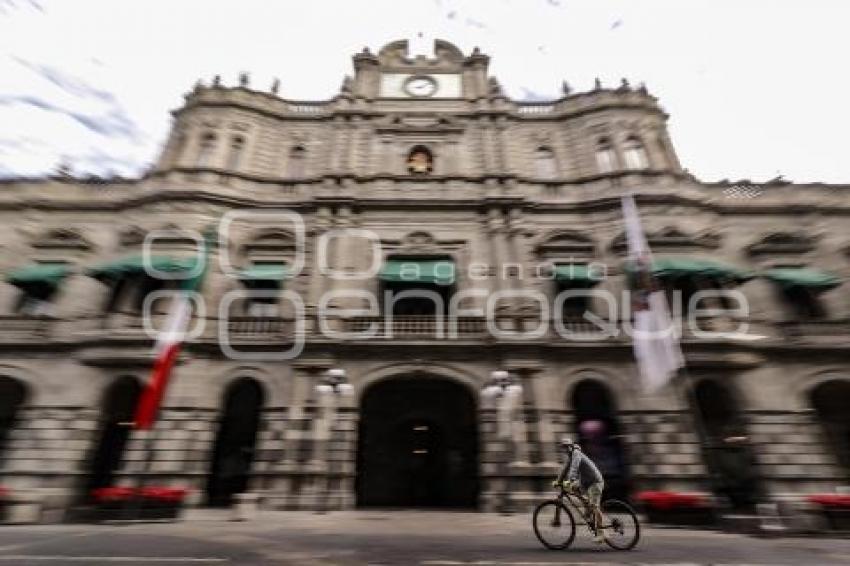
point(555, 526)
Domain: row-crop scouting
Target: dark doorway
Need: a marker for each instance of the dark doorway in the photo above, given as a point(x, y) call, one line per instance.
point(12, 396)
point(117, 413)
point(419, 301)
point(600, 436)
point(831, 401)
point(728, 454)
point(418, 445)
point(235, 442)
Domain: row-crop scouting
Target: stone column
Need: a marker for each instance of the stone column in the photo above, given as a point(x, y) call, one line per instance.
point(9, 297)
point(495, 229)
point(300, 440)
point(318, 282)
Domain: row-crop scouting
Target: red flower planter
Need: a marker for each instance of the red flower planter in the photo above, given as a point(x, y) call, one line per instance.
point(151, 502)
point(676, 508)
point(836, 508)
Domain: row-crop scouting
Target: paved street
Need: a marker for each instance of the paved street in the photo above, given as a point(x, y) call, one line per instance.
point(382, 538)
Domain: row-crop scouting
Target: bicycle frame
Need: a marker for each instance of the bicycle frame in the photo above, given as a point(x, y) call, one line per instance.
point(584, 511)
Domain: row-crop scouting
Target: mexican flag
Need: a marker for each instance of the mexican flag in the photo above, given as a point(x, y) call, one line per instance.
point(168, 345)
point(655, 340)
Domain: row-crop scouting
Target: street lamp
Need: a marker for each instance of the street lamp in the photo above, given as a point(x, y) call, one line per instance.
point(504, 388)
point(332, 384)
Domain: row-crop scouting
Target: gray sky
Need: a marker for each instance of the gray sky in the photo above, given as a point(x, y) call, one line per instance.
point(754, 87)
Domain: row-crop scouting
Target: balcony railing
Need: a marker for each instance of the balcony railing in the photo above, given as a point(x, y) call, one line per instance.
point(19, 327)
point(418, 327)
point(816, 330)
point(509, 326)
point(260, 327)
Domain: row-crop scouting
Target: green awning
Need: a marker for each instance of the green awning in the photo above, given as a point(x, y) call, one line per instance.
point(789, 277)
point(265, 272)
point(135, 265)
point(440, 272)
point(670, 268)
point(47, 274)
point(576, 275)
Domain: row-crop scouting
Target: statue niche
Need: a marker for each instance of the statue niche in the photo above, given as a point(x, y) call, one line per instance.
point(420, 161)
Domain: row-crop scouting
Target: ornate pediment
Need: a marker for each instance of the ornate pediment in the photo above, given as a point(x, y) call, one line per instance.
point(671, 237)
point(131, 236)
point(63, 238)
point(782, 243)
point(566, 243)
point(421, 243)
point(270, 240)
point(395, 54)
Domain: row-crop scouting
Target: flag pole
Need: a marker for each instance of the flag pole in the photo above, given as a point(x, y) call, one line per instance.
point(166, 351)
point(656, 344)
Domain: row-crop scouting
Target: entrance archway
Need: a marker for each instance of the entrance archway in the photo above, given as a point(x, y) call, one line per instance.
point(117, 413)
point(599, 434)
point(12, 396)
point(728, 454)
point(235, 441)
point(418, 444)
point(831, 400)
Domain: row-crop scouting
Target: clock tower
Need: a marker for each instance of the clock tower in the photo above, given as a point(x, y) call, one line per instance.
point(447, 75)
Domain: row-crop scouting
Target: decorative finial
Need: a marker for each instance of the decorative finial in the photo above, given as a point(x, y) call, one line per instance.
point(642, 88)
point(476, 50)
point(347, 85)
point(597, 84)
point(217, 80)
point(624, 84)
point(276, 86)
point(64, 169)
point(197, 86)
point(244, 79)
point(366, 51)
point(566, 88)
point(495, 87)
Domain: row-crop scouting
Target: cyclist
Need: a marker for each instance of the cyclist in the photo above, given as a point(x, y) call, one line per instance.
point(579, 471)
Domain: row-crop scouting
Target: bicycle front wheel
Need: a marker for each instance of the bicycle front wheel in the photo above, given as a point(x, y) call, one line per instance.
point(554, 525)
point(620, 525)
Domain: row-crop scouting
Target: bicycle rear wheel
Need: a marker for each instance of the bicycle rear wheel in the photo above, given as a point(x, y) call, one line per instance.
point(554, 525)
point(620, 525)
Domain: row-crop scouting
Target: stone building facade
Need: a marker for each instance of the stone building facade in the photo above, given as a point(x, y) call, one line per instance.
point(422, 161)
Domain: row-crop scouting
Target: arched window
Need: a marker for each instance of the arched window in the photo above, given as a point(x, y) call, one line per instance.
point(420, 161)
point(12, 396)
point(237, 144)
point(206, 150)
point(606, 160)
point(544, 163)
point(634, 154)
point(599, 433)
point(297, 165)
point(116, 419)
point(726, 446)
point(830, 401)
point(235, 442)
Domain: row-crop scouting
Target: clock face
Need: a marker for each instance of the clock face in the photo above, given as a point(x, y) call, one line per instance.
point(420, 86)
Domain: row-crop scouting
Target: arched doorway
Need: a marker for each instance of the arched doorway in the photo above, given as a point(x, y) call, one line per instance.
point(418, 444)
point(235, 441)
point(728, 454)
point(12, 396)
point(600, 436)
point(118, 410)
point(831, 400)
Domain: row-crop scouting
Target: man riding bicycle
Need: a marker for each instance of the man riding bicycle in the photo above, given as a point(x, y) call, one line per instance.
point(579, 471)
